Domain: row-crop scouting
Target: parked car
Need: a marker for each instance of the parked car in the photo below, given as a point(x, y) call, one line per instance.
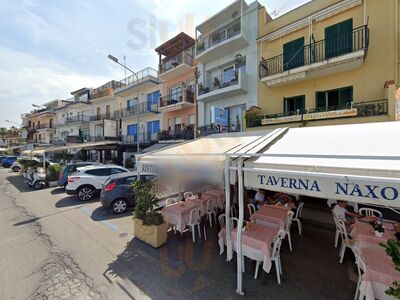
point(88, 181)
point(7, 162)
point(117, 193)
point(70, 169)
point(2, 157)
point(16, 167)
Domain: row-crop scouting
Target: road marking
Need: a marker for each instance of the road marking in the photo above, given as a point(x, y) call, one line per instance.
point(89, 212)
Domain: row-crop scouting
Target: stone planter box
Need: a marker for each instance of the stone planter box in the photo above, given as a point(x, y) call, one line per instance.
point(155, 236)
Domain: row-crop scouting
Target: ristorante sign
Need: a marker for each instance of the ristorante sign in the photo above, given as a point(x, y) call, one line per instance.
point(331, 114)
point(330, 187)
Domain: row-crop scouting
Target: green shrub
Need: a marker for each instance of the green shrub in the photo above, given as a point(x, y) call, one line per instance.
point(146, 201)
point(53, 171)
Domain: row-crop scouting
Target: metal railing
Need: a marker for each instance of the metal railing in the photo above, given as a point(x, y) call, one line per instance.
point(44, 126)
point(173, 62)
point(318, 51)
point(364, 109)
point(175, 98)
point(186, 134)
point(141, 75)
point(219, 82)
point(144, 138)
point(205, 42)
point(144, 108)
point(76, 119)
point(100, 117)
point(104, 138)
point(105, 89)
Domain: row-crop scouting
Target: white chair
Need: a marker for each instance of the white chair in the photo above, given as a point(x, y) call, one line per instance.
point(221, 220)
point(337, 233)
point(298, 216)
point(194, 220)
point(346, 243)
point(233, 210)
point(366, 211)
point(361, 268)
point(211, 210)
point(187, 195)
point(275, 256)
point(233, 221)
point(251, 208)
point(287, 228)
point(170, 201)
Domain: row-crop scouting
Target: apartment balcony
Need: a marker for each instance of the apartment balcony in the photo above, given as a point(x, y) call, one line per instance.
point(77, 119)
point(176, 101)
point(101, 117)
point(146, 138)
point(104, 138)
point(76, 139)
point(221, 42)
point(45, 127)
point(223, 86)
point(350, 110)
point(128, 112)
point(176, 66)
point(322, 58)
point(146, 78)
point(186, 134)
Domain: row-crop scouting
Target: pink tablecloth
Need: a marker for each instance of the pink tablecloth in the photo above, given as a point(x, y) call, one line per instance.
point(363, 233)
point(201, 201)
point(271, 215)
point(178, 215)
point(219, 196)
point(256, 243)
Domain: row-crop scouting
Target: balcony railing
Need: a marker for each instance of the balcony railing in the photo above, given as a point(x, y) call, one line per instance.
point(187, 134)
point(144, 138)
point(100, 117)
point(144, 108)
point(104, 138)
point(219, 82)
point(205, 42)
point(173, 62)
point(364, 109)
point(130, 80)
point(43, 126)
point(315, 52)
point(176, 98)
point(77, 119)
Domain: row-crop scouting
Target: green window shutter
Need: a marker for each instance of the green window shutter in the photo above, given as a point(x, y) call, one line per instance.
point(345, 96)
point(339, 39)
point(320, 100)
point(293, 54)
point(301, 103)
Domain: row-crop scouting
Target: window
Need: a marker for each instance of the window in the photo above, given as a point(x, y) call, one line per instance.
point(175, 94)
point(229, 75)
point(235, 117)
point(108, 113)
point(132, 129)
point(293, 54)
point(334, 99)
point(129, 180)
point(192, 119)
point(178, 124)
point(147, 177)
point(99, 172)
point(98, 112)
point(339, 39)
point(294, 104)
point(117, 171)
point(152, 100)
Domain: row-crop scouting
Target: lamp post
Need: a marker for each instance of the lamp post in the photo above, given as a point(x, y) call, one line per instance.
point(114, 59)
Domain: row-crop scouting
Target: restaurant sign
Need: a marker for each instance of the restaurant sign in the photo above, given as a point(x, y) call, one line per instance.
point(287, 119)
point(352, 112)
point(346, 188)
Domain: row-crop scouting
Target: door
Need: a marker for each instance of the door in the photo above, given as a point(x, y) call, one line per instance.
point(293, 54)
point(132, 132)
point(153, 128)
point(152, 100)
point(339, 39)
point(128, 190)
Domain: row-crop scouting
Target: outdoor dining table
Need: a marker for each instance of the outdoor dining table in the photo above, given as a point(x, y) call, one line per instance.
point(380, 273)
point(219, 196)
point(363, 233)
point(202, 201)
point(178, 214)
point(271, 216)
point(256, 243)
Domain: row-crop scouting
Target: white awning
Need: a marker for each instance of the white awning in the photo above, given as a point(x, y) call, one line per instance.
point(42, 150)
point(358, 162)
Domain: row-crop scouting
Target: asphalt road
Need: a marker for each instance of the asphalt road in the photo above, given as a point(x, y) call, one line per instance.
point(53, 246)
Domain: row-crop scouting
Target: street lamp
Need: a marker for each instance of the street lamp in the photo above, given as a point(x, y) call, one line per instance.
point(114, 59)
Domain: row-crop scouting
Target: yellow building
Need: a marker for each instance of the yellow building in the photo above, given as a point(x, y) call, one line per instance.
point(328, 62)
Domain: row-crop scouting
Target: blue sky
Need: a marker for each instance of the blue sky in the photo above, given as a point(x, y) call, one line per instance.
point(49, 48)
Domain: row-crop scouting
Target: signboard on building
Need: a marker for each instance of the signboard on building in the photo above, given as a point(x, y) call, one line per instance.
point(352, 112)
point(110, 128)
point(287, 119)
point(219, 116)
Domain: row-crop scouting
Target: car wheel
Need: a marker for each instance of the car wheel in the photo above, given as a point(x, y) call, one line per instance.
point(16, 169)
point(85, 193)
point(119, 206)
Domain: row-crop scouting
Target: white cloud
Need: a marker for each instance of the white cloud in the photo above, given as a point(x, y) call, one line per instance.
point(27, 79)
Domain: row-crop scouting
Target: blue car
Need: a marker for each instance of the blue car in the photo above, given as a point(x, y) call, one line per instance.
point(3, 157)
point(7, 162)
point(70, 169)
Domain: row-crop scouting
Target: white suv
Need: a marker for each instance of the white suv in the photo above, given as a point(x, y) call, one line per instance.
point(88, 181)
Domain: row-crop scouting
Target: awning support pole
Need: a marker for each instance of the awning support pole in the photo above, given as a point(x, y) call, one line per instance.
point(227, 202)
point(239, 289)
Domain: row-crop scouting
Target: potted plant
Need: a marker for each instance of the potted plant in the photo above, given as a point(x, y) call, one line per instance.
point(379, 229)
point(392, 249)
point(149, 222)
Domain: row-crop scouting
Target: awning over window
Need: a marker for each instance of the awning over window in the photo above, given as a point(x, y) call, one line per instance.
point(359, 162)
